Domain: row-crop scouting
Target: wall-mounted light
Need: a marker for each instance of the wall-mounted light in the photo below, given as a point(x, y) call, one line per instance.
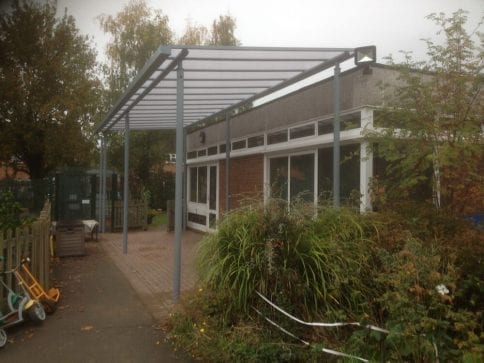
point(365, 55)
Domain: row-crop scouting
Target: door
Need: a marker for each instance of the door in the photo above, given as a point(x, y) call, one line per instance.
point(202, 197)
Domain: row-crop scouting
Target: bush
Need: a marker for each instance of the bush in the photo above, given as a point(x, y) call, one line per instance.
point(418, 277)
point(9, 211)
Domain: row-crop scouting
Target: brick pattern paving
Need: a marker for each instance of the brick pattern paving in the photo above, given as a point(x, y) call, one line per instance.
point(148, 266)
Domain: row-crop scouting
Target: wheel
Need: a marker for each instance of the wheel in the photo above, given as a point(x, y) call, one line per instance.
point(36, 313)
point(49, 306)
point(3, 338)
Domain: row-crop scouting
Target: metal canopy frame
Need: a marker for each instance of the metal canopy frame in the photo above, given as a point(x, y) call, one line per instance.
point(183, 85)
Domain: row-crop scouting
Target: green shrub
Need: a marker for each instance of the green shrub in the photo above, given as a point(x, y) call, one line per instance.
point(9, 211)
point(420, 277)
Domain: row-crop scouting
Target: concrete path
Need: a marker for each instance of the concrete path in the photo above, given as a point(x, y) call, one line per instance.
point(100, 318)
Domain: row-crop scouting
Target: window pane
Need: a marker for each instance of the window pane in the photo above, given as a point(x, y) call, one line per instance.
point(202, 152)
point(213, 188)
point(255, 141)
point(350, 172)
point(325, 127)
point(212, 150)
point(302, 131)
point(302, 177)
point(351, 121)
point(278, 177)
point(277, 137)
point(197, 218)
point(236, 145)
point(202, 184)
point(222, 148)
point(193, 184)
point(191, 155)
point(325, 174)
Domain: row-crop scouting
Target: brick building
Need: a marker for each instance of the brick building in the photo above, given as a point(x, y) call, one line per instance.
point(284, 148)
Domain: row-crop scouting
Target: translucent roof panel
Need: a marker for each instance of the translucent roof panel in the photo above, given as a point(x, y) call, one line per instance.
point(216, 80)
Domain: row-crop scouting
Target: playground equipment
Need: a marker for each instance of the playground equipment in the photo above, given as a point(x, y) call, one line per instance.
point(21, 306)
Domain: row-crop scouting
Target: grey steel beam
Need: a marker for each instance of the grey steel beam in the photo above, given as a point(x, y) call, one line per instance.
point(178, 184)
point(155, 61)
point(336, 140)
point(126, 185)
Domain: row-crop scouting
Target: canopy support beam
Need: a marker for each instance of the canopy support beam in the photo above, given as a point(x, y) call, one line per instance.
point(336, 133)
point(178, 183)
point(126, 185)
point(227, 162)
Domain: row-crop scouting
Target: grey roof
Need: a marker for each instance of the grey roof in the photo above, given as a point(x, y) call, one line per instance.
point(216, 80)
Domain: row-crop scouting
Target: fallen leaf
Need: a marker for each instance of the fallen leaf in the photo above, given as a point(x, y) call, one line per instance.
point(87, 328)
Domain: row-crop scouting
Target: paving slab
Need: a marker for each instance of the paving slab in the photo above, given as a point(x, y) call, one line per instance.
point(149, 265)
point(100, 318)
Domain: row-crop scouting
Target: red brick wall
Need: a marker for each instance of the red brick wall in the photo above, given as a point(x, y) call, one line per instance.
point(246, 180)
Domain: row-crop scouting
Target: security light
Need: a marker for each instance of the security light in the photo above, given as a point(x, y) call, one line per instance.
point(365, 55)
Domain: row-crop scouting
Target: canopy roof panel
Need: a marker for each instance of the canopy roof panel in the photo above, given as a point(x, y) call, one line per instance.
point(216, 80)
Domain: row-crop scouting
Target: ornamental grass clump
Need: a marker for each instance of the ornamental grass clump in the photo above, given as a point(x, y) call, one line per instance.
point(305, 261)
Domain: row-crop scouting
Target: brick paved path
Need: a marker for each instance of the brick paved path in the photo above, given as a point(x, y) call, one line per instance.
point(149, 265)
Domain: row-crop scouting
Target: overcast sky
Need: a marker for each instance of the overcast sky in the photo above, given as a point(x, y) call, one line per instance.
point(391, 25)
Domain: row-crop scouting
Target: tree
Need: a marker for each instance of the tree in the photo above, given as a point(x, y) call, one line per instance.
point(223, 31)
point(137, 31)
point(48, 89)
point(195, 35)
point(433, 122)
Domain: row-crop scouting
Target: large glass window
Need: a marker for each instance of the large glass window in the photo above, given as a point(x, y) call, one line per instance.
point(278, 177)
point(213, 188)
point(349, 172)
point(302, 177)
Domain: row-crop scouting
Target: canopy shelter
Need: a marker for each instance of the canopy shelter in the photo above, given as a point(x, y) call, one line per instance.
point(182, 85)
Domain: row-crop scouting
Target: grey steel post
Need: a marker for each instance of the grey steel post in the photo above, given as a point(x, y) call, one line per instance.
point(227, 162)
point(126, 186)
point(336, 142)
point(178, 182)
point(102, 184)
point(103, 179)
point(185, 175)
point(100, 193)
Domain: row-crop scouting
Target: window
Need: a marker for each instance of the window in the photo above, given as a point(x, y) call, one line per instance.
point(202, 152)
point(301, 131)
point(222, 148)
point(202, 184)
point(347, 122)
point(255, 141)
point(351, 121)
point(278, 177)
point(191, 155)
point(325, 127)
point(277, 137)
point(198, 184)
point(349, 172)
point(302, 177)
point(193, 184)
point(237, 145)
point(212, 150)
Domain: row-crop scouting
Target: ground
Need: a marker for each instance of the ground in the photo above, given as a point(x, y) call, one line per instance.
point(107, 313)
